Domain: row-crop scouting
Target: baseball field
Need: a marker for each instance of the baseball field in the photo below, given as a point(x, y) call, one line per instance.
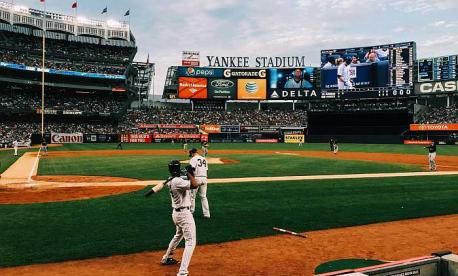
point(84, 213)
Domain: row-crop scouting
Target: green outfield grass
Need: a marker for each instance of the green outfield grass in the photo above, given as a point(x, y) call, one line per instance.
point(155, 167)
point(41, 233)
point(383, 148)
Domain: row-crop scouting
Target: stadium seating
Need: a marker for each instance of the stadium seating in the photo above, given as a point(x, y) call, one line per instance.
point(64, 55)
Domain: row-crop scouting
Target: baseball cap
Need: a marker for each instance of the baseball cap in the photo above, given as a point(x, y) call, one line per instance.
point(192, 151)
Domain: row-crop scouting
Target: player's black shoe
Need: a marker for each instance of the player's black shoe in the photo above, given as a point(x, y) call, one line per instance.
point(169, 261)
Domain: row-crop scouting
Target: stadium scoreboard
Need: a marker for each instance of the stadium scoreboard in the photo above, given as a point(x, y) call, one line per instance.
point(402, 61)
point(438, 69)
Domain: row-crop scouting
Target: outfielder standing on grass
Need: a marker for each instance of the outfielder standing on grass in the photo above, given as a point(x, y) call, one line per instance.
point(182, 217)
point(200, 166)
point(432, 156)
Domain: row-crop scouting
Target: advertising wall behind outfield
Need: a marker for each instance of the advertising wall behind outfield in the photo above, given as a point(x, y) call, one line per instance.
point(434, 127)
point(294, 139)
point(137, 138)
point(67, 138)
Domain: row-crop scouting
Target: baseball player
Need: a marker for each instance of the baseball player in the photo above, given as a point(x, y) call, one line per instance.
point(205, 149)
point(200, 166)
point(343, 75)
point(185, 145)
point(335, 148)
point(432, 156)
point(184, 221)
point(119, 147)
point(44, 147)
point(15, 145)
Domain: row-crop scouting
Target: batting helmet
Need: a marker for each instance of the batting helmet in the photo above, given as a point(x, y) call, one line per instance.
point(174, 168)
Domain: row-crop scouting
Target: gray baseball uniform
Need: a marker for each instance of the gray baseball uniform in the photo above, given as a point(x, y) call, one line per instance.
point(185, 226)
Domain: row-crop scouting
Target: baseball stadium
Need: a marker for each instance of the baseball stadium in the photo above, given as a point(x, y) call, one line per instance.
point(258, 166)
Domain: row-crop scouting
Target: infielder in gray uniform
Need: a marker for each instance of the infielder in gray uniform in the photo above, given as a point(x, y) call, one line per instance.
point(182, 217)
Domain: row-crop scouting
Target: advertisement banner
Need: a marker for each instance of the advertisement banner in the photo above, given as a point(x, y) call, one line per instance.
point(230, 129)
point(190, 58)
point(269, 129)
point(67, 138)
point(192, 88)
point(200, 72)
point(245, 73)
point(294, 139)
point(250, 129)
point(211, 128)
point(434, 127)
point(137, 138)
point(251, 89)
point(293, 84)
point(176, 136)
point(436, 87)
point(169, 126)
point(266, 140)
point(417, 142)
point(225, 89)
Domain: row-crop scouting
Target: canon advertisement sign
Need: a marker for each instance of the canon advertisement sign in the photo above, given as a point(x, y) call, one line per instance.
point(66, 138)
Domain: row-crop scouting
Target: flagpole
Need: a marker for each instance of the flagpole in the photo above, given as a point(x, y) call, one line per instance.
point(43, 74)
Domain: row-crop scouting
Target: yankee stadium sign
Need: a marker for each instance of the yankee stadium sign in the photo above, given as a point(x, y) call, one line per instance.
point(257, 62)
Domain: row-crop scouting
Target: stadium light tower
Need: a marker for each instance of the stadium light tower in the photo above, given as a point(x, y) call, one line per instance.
point(43, 74)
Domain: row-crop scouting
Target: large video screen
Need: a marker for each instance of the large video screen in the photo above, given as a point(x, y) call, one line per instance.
point(292, 83)
point(368, 68)
point(438, 69)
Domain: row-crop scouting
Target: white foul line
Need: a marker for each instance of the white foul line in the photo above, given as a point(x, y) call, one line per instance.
point(35, 164)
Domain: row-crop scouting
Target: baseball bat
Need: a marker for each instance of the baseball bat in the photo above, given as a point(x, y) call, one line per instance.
point(158, 187)
point(289, 232)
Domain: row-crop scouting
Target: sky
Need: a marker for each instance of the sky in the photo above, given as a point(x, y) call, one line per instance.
point(164, 28)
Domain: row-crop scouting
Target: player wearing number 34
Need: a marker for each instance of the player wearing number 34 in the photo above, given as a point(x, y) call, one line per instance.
point(200, 166)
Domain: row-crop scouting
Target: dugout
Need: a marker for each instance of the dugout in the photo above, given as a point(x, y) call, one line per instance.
point(367, 127)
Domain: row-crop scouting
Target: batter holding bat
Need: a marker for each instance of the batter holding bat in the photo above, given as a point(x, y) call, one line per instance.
point(184, 221)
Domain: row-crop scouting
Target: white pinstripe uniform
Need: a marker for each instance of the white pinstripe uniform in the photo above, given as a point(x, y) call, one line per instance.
point(200, 166)
point(184, 221)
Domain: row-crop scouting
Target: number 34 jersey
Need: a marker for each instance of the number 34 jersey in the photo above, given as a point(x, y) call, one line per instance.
point(200, 165)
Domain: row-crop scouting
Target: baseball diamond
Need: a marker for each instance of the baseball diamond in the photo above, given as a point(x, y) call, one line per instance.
point(115, 159)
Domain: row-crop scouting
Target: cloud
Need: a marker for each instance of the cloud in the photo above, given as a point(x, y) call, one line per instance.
point(274, 27)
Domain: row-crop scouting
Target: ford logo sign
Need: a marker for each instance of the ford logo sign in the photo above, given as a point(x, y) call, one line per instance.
point(251, 87)
point(222, 83)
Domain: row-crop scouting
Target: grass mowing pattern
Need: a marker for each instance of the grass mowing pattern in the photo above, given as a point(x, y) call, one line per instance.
point(382, 148)
point(41, 233)
point(155, 167)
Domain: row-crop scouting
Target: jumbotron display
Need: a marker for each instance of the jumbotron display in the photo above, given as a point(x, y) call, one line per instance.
point(438, 69)
point(373, 68)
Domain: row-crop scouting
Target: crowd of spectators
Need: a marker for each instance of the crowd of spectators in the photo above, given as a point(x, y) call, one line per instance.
point(64, 55)
point(439, 115)
point(20, 100)
point(234, 117)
